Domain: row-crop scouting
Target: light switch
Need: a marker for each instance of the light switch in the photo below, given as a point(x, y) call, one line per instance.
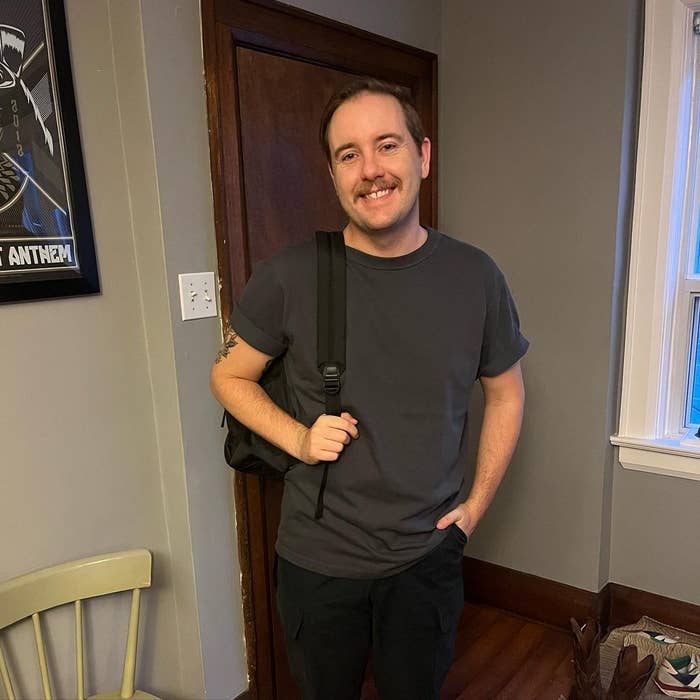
point(197, 295)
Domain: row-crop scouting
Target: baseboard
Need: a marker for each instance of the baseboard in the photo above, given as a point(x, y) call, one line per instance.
point(527, 595)
point(555, 603)
point(629, 604)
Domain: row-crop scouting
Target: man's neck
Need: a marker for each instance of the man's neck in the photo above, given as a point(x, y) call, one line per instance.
point(385, 244)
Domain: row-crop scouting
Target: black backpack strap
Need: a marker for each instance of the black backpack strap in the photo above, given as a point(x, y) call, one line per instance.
point(330, 324)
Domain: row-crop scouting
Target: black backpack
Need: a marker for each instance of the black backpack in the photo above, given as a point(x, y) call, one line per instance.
point(246, 451)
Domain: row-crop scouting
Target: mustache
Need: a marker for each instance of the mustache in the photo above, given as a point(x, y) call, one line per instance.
point(380, 184)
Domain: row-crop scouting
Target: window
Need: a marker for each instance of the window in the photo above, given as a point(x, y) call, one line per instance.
point(660, 411)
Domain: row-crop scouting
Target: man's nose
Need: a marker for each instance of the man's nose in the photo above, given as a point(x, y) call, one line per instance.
point(371, 167)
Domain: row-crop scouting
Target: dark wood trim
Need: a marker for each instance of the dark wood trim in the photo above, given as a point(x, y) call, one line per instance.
point(286, 31)
point(223, 137)
point(433, 131)
point(555, 603)
point(214, 116)
point(629, 604)
point(527, 595)
point(234, 12)
point(240, 497)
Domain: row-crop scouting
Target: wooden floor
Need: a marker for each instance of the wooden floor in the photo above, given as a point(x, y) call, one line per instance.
point(499, 656)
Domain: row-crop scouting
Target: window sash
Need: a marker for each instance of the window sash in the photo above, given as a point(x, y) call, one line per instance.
point(692, 361)
point(687, 282)
point(656, 352)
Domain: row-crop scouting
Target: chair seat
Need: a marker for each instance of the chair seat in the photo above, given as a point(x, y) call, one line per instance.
point(138, 695)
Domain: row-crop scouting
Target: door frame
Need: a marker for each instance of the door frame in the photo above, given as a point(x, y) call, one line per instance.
point(270, 26)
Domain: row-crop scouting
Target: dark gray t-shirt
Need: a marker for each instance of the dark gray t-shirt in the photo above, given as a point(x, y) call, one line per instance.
point(421, 328)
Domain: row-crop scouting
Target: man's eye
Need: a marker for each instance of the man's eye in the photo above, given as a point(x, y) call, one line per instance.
point(347, 157)
point(388, 146)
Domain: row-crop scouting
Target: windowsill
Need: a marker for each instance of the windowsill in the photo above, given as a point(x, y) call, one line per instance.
point(667, 456)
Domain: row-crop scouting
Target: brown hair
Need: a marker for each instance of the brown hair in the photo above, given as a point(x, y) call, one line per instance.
point(380, 87)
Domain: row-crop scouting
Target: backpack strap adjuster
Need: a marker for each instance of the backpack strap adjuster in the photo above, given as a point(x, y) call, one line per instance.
point(331, 378)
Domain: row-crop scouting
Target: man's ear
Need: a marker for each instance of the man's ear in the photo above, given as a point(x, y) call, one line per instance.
point(425, 158)
point(330, 172)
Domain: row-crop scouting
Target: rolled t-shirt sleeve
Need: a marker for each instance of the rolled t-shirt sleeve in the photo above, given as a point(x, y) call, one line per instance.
point(258, 315)
point(503, 343)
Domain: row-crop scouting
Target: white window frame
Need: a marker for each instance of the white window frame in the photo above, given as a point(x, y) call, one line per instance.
point(651, 436)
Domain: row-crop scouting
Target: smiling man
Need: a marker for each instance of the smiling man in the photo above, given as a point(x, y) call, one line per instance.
point(427, 316)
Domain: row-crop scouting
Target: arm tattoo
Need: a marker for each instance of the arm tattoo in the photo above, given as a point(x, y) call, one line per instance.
point(229, 342)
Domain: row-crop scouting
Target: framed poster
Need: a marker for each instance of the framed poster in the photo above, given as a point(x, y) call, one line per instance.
point(46, 241)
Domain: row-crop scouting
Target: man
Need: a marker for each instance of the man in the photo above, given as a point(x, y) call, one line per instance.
point(427, 315)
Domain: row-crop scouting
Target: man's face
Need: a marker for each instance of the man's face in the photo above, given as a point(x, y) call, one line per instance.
point(375, 164)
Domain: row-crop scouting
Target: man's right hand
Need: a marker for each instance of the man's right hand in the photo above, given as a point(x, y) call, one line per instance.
point(327, 437)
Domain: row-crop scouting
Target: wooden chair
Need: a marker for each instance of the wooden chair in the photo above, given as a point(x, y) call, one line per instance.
point(31, 594)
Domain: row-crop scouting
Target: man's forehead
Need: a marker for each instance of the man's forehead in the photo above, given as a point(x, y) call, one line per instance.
point(368, 115)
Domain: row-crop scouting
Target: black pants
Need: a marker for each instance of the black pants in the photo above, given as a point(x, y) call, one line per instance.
point(410, 620)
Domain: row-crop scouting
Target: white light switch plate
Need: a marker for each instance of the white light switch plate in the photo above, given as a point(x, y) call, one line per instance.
point(197, 295)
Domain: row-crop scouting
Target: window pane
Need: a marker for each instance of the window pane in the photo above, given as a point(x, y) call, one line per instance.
point(693, 409)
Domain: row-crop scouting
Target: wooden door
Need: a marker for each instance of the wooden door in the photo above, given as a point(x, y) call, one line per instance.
point(270, 70)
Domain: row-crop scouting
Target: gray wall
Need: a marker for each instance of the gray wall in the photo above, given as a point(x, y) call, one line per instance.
point(176, 98)
point(82, 468)
point(532, 112)
point(535, 117)
point(414, 22)
point(655, 523)
point(107, 421)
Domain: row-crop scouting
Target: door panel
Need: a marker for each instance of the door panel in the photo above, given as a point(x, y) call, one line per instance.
point(288, 190)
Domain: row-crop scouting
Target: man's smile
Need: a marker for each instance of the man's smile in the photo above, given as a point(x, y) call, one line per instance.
point(375, 195)
point(379, 194)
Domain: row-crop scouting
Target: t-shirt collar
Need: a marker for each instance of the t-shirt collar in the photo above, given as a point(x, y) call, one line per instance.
point(396, 263)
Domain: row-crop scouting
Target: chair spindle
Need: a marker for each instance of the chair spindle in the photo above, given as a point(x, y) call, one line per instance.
point(6, 678)
point(41, 651)
point(80, 690)
point(127, 689)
